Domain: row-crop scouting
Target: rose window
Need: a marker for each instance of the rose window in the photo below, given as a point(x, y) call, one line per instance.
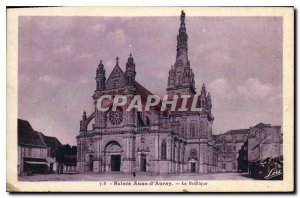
point(116, 117)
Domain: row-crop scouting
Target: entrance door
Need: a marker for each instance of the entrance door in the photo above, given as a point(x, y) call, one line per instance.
point(51, 167)
point(91, 163)
point(143, 163)
point(193, 167)
point(115, 162)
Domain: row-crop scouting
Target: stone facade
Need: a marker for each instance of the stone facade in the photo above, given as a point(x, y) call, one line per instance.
point(237, 150)
point(228, 145)
point(265, 157)
point(154, 141)
point(264, 141)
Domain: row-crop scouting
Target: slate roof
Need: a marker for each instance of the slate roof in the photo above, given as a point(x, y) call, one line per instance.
point(237, 131)
point(262, 125)
point(29, 137)
point(141, 89)
point(52, 141)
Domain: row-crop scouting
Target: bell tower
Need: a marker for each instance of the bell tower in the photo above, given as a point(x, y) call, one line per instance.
point(181, 76)
point(130, 71)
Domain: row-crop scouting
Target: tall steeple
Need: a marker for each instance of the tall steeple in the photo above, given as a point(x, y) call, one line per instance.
point(181, 77)
point(182, 41)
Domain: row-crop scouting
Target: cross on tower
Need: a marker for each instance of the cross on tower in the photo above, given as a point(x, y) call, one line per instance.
point(117, 59)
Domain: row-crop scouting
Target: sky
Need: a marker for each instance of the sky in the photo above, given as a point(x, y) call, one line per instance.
point(238, 58)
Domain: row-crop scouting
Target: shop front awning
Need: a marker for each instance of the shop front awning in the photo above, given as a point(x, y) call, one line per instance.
point(32, 162)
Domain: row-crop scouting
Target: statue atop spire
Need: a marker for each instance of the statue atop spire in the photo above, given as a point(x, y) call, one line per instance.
point(182, 17)
point(182, 37)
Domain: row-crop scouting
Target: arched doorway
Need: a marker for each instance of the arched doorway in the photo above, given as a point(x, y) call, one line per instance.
point(115, 162)
point(193, 161)
point(113, 156)
point(143, 163)
point(91, 163)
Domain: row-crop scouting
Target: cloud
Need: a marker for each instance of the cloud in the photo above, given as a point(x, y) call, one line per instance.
point(84, 55)
point(65, 50)
point(220, 87)
point(49, 80)
point(254, 89)
point(117, 36)
point(162, 75)
point(110, 64)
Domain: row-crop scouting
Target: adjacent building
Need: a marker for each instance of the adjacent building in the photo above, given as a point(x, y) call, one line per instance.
point(255, 150)
point(264, 146)
point(228, 145)
point(36, 152)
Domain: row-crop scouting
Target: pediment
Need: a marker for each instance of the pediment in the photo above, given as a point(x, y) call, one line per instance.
point(116, 79)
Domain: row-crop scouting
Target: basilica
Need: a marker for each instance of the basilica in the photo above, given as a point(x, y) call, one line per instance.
point(154, 141)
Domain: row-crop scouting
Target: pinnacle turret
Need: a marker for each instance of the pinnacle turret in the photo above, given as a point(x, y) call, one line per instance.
point(100, 77)
point(130, 71)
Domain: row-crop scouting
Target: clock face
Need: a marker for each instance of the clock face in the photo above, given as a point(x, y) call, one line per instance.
point(116, 117)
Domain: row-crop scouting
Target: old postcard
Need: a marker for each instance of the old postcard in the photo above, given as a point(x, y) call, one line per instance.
point(151, 99)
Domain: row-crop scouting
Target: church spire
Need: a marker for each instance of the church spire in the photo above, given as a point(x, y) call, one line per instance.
point(182, 38)
point(181, 77)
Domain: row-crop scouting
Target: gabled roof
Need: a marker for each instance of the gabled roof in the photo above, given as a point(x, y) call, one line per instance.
point(52, 141)
point(140, 90)
point(262, 125)
point(27, 136)
point(120, 75)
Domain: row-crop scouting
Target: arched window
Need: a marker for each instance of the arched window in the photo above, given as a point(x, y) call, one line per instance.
point(202, 129)
point(193, 129)
point(146, 121)
point(163, 150)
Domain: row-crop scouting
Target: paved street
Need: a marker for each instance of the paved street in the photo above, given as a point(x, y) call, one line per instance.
point(129, 177)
